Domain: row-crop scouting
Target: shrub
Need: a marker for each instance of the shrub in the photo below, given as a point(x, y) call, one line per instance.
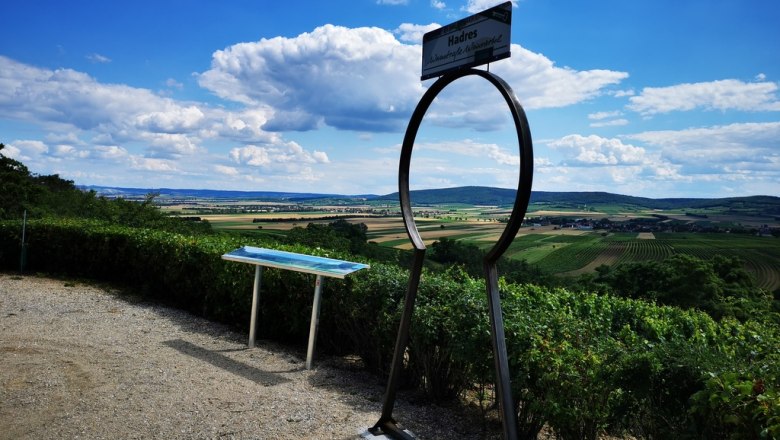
point(582, 364)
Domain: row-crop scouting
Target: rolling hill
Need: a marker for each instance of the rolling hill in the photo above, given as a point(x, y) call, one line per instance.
point(473, 195)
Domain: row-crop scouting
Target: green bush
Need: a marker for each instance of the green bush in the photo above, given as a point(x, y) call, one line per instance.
point(582, 364)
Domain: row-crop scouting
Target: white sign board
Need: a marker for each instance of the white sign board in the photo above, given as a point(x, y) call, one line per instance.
point(479, 39)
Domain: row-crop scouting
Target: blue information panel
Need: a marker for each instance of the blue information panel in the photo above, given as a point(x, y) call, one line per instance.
point(328, 267)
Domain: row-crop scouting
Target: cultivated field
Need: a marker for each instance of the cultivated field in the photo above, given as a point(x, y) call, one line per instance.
point(564, 251)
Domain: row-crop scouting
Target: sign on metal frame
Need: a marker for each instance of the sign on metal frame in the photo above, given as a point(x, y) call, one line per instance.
point(480, 39)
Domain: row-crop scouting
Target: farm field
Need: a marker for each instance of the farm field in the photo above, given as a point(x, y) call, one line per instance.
point(564, 251)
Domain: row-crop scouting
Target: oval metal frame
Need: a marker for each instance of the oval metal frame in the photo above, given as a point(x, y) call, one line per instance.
point(526, 158)
point(386, 424)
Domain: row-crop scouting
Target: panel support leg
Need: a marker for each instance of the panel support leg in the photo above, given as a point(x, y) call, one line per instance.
point(255, 305)
point(315, 321)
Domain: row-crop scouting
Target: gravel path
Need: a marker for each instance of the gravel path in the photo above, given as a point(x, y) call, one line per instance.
point(78, 361)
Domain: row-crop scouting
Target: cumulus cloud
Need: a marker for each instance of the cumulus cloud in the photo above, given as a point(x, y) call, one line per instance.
point(226, 170)
point(727, 94)
point(70, 103)
point(174, 120)
point(718, 146)
point(413, 33)
point(30, 147)
point(151, 164)
point(596, 150)
point(358, 79)
point(276, 156)
point(539, 83)
point(365, 79)
point(438, 4)
point(111, 152)
point(742, 157)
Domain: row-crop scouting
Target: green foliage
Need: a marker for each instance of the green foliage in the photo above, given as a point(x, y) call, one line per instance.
point(342, 236)
point(582, 364)
point(448, 252)
point(720, 286)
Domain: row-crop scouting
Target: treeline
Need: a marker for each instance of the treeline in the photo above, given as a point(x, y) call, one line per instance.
point(51, 196)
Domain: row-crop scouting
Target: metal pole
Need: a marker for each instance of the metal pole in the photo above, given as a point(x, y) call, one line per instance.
point(386, 422)
point(501, 359)
point(255, 305)
point(23, 257)
point(315, 321)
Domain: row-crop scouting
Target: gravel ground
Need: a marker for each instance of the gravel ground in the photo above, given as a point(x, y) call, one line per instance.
point(78, 361)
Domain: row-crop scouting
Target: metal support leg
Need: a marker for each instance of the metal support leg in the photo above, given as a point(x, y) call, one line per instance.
point(315, 321)
point(386, 423)
point(255, 305)
point(506, 405)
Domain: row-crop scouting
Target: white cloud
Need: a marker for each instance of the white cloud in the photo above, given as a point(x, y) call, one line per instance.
point(611, 123)
point(12, 152)
point(727, 94)
point(174, 120)
point(276, 156)
point(155, 165)
point(737, 158)
point(30, 147)
point(365, 79)
point(97, 58)
point(64, 151)
point(358, 79)
point(474, 6)
point(251, 155)
point(173, 84)
point(226, 170)
point(595, 150)
point(604, 115)
point(111, 152)
point(539, 83)
point(170, 145)
point(320, 157)
point(623, 93)
point(413, 33)
point(470, 148)
point(438, 4)
point(718, 146)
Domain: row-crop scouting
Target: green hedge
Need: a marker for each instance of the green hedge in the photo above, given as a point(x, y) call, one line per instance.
point(582, 364)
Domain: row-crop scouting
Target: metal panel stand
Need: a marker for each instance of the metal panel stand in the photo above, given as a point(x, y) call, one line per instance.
point(255, 305)
point(315, 321)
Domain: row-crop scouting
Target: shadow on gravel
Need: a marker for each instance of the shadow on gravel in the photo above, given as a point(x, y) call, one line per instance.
point(219, 360)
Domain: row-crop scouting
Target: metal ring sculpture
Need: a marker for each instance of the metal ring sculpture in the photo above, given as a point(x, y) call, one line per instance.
point(386, 423)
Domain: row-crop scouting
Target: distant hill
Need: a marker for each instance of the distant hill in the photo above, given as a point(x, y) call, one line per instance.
point(480, 195)
point(469, 195)
point(212, 194)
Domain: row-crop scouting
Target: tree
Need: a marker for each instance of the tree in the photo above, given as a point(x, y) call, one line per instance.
point(52, 196)
point(15, 190)
point(719, 286)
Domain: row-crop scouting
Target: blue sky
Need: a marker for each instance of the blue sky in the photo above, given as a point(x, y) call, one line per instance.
point(650, 98)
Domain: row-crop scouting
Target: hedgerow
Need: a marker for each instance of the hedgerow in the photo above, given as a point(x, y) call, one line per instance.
point(582, 364)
